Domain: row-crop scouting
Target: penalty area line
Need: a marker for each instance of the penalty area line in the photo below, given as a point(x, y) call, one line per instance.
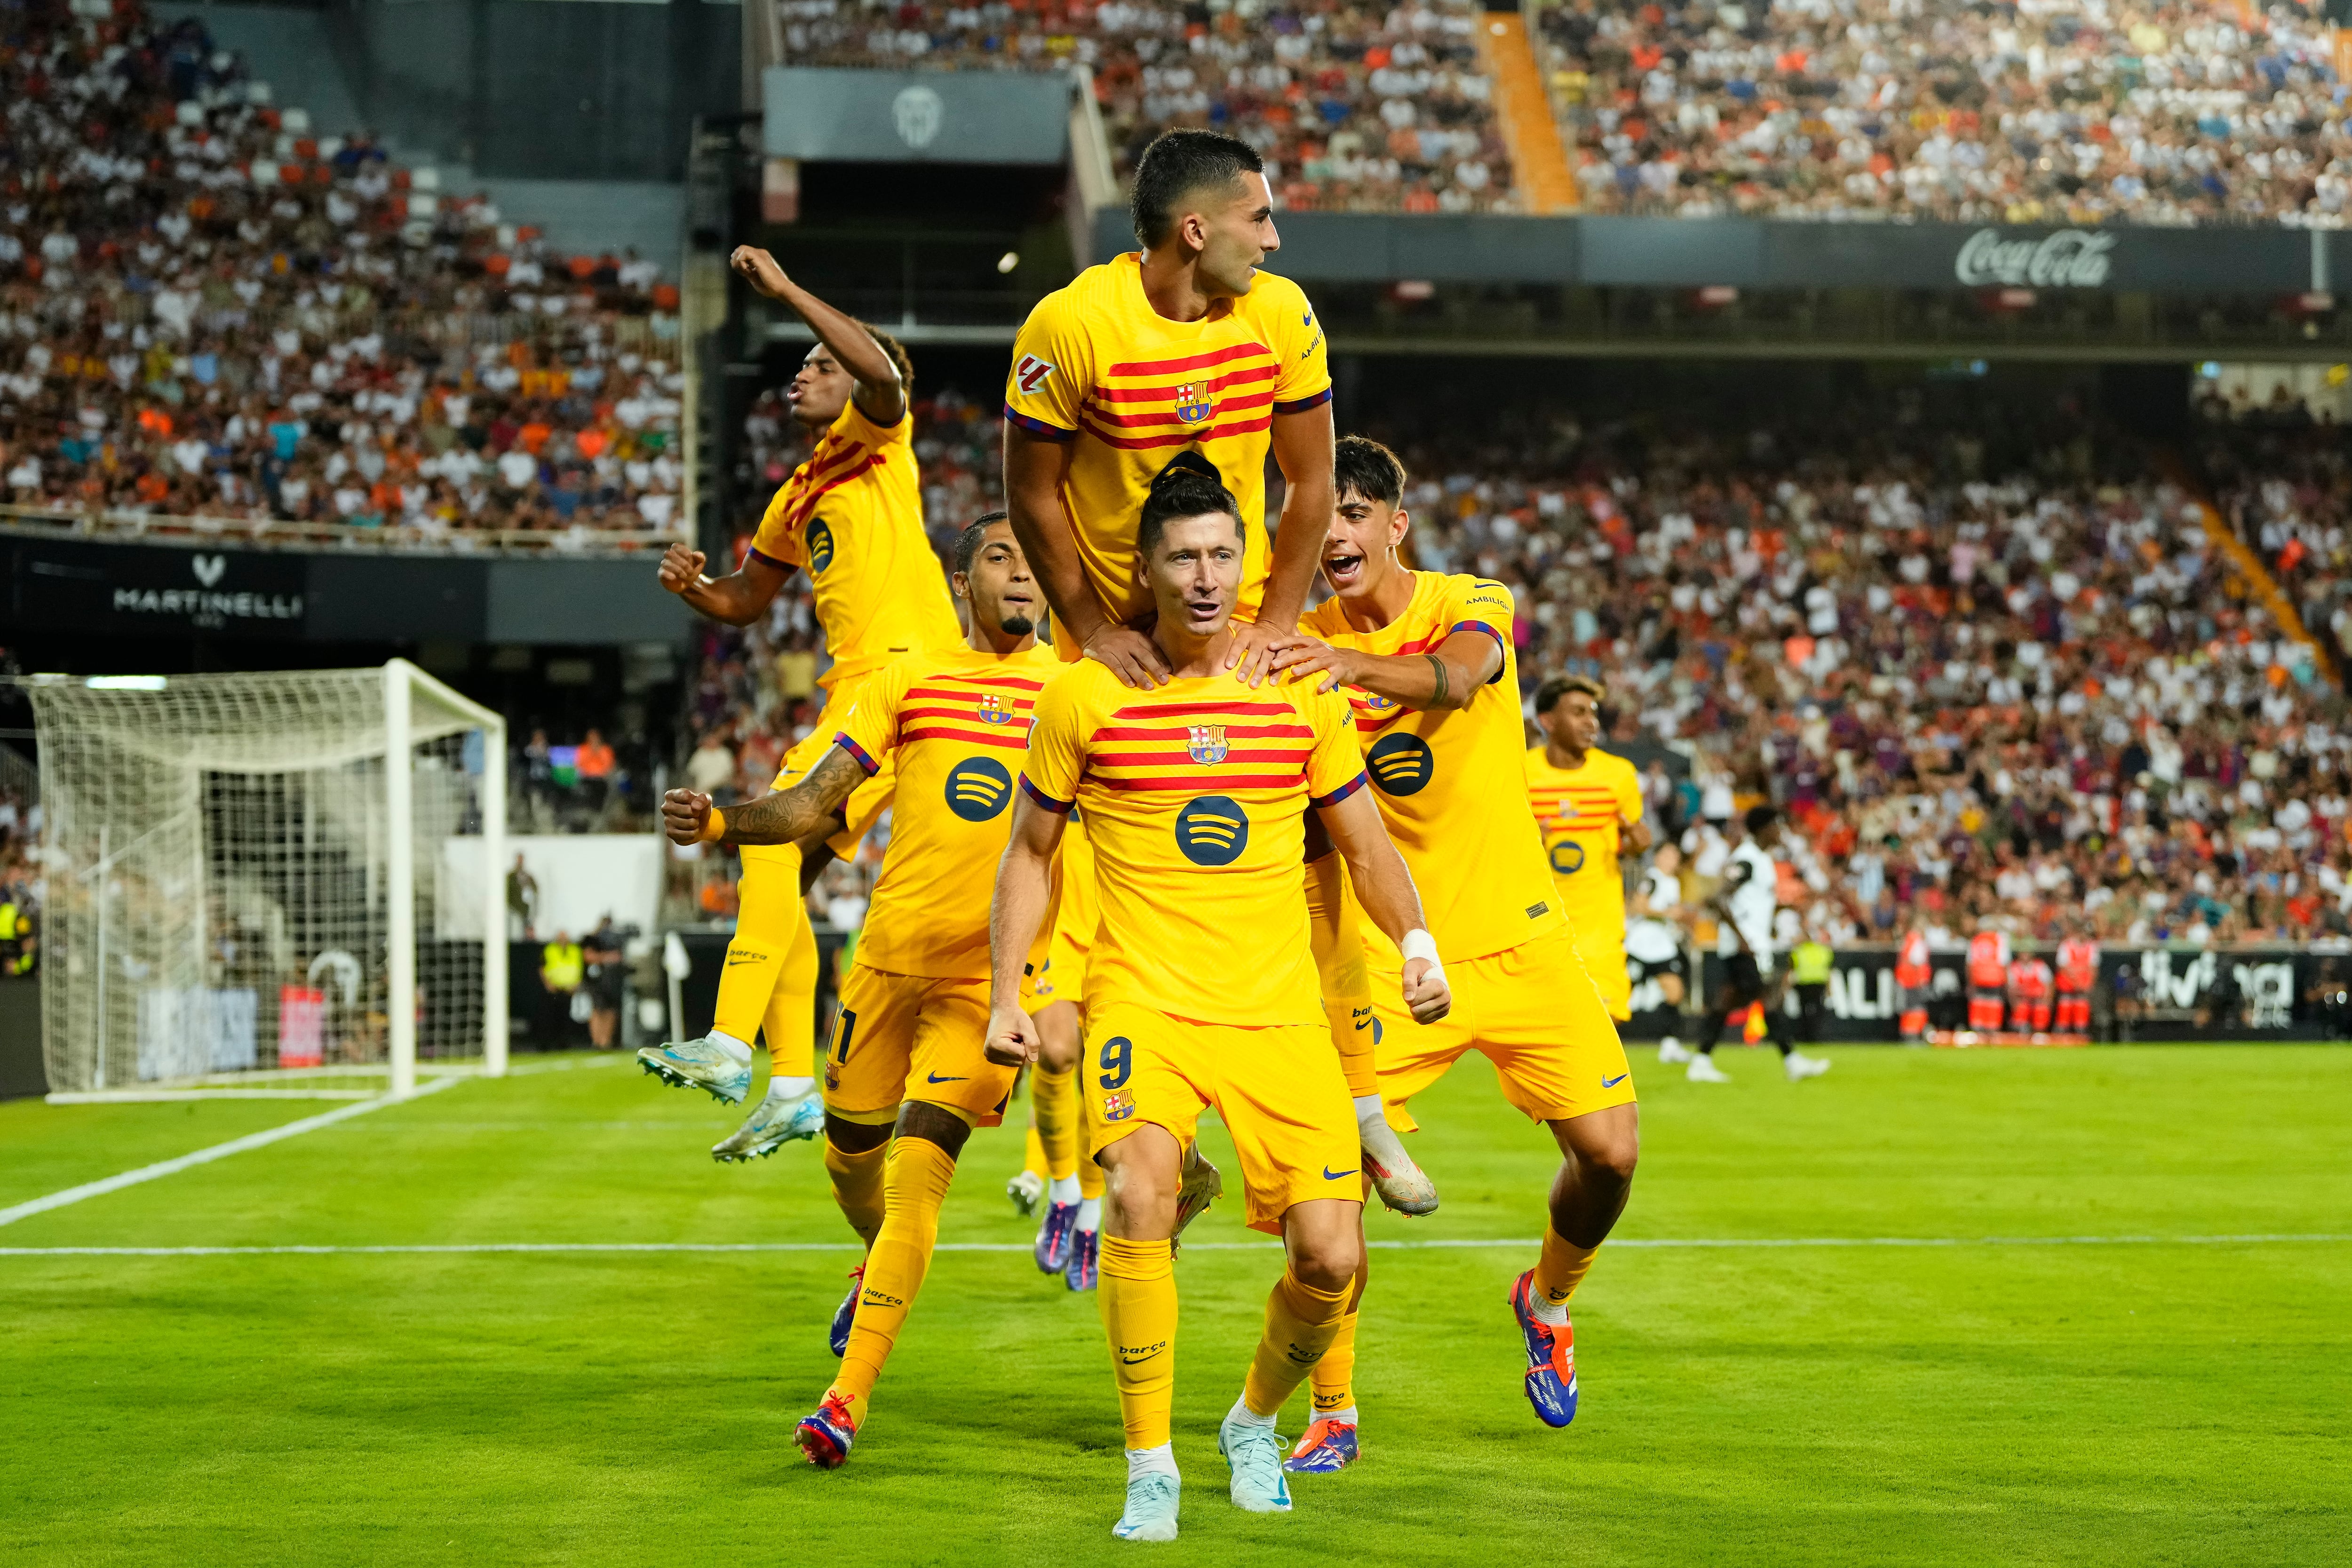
point(1692, 1243)
point(173, 1167)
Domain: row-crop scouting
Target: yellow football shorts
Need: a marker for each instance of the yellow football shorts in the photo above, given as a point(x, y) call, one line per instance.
point(1278, 1089)
point(1531, 1010)
point(869, 799)
point(1601, 944)
point(909, 1036)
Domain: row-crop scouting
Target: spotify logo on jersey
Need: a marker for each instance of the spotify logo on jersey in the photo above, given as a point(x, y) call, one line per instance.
point(1567, 857)
point(820, 546)
point(978, 788)
point(1401, 764)
point(1213, 831)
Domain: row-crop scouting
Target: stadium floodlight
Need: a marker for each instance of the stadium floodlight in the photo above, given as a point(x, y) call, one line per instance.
point(266, 879)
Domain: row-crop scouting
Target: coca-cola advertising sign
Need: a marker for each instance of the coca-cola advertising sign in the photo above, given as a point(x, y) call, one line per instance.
point(2069, 259)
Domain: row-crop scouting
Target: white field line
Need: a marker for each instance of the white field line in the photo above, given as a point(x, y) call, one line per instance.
point(217, 1151)
point(1661, 1243)
point(173, 1095)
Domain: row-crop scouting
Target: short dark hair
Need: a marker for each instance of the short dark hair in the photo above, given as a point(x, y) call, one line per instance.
point(1760, 817)
point(1549, 694)
point(1175, 166)
point(1362, 465)
point(967, 544)
point(1190, 486)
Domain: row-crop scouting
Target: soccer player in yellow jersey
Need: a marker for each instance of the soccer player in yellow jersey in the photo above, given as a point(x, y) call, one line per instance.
point(1427, 664)
point(852, 516)
point(908, 1049)
point(1201, 988)
point(1588, 805)
point(1187, 348)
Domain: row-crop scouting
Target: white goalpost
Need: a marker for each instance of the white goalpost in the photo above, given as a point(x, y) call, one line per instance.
point(271, 884)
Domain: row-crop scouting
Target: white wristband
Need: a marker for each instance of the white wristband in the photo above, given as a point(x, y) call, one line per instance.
point(1419, 944)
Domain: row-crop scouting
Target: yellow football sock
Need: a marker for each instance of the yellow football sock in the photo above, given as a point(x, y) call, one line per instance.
point(916, 1185)
point(789, 1022)
point(1033, 1152)
point(770, 916)
point(1300, 1322)
point(1560, 1268)
point(858, 1181)
point(1334, 1378)
point(1137, 1286)
point(1054, 1101)
point(1340, 966)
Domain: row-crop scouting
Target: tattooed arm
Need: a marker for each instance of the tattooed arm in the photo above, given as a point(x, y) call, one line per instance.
point(782, 816)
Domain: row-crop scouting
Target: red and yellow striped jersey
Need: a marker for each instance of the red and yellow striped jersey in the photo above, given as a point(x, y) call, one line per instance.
point(959, 723)
point(1193, 796)
point(853, 515)
point(1450, 783)
point(1577, 811)
point(1096, 366)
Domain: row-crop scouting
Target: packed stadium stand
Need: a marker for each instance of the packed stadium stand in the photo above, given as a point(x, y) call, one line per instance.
point(206, 311)
point(1990, 666)
point(1357, 108)
point(2175, 115)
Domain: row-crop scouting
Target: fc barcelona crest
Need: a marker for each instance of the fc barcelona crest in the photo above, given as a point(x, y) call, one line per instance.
point(994, 709)
point(1193, 405)
point(1208, 744)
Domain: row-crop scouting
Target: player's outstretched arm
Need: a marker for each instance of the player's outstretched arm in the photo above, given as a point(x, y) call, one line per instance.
point(738, 599)
point(1035, 468)
point(1024, 879)
point(1448, 677)
point(881, 396)
point(1384, 886)
point(780, 816)
point(1302, 450)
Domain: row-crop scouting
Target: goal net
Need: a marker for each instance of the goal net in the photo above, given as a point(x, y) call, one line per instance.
point(268, 883)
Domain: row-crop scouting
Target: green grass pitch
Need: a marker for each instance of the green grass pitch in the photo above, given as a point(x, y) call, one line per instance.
point(2130, 1403)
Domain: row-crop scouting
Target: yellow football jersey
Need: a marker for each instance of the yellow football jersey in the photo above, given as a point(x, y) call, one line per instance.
point(958, 722)
point(1193, 796)
point(1577, 810)
point(1095, 365)
point(853, 515)
point(1451, 785)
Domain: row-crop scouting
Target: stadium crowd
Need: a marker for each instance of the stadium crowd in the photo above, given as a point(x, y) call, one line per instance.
point(1356, 108)
point(204, 310)
point(1990, 673)
point(2106, 111)
point(1989, 669)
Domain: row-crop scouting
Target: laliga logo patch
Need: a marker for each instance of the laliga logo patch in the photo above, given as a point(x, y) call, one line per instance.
point(1193, 405)
point(1208, 744)
point(820, 546)
point(1567, 857)
point(994, 709)
point(1401, 764)
point(1117, 1107)
point(1213, 831)
point(1031, 373)
point(978, 788)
